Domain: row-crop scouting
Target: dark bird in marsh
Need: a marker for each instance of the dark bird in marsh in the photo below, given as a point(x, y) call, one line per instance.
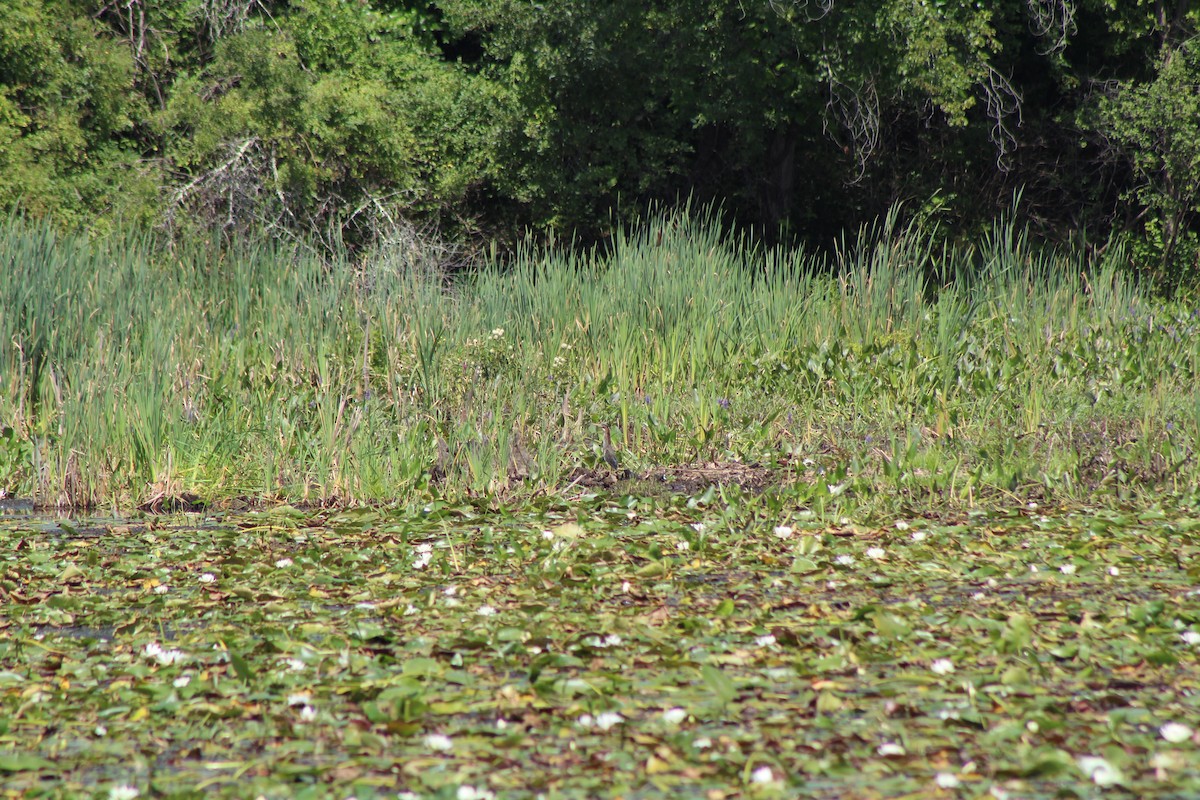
point(611, 457)
point(610, 452)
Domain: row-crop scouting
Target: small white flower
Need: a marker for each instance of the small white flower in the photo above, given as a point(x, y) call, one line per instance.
point(890, 749)
point(1033, 568)
point(945, 780)
point(674, 716)
point(875, 553)
point(101, 730)
point(308, 714)
point(123, 792)
point(845, 560)
point(611, 640)
point(942, 666)
point(1190, 638)
point(608, 720)
point(1175, 733)
point(410, 609)
point(683, 546)
point(439, 742)
point(181, 681)
point(471, 793)
point(295, 665)
point(207, 577)
point(702, 743)
point(497, 333)
point(164, 657)
point(162, 588)
point(299, 699)
point(919, 536)
point(1067, 569)
point(1099, 771)
point(1114, 571)
point(901, 525)
point(585, 721)
point(762, 775)
point(625, 587)
point(451, 591)
point(284, 563)
point(765, 641)
point(698, 527)
point(486, 611)
point(1032, 506)
point(784, 531)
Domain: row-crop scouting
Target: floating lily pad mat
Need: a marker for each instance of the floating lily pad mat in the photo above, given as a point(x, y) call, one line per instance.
point(606, 648)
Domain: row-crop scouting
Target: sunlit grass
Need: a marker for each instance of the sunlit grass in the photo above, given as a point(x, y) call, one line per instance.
point(134, 374)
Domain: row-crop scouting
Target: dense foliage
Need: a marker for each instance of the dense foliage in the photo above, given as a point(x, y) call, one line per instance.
point(803, 117)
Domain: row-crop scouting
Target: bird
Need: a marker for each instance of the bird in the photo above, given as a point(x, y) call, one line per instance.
point(610, 453)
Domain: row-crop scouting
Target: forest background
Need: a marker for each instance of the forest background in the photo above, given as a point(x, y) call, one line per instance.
point(484, 119)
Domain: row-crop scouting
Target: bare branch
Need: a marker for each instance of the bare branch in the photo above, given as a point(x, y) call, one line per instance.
point(1053, 21)
point(1003, 105)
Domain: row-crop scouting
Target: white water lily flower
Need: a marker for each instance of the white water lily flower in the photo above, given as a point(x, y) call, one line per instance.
point(946, 780)
point(1099, 771)
point(942, 666)
point(674, 716)
point(1033, 567)
point(162, 588)
point(901, 525)
point(890, 749)
point(471, 793)
point(608, 720)
point(181, 681)
point(784, 531)
point(207, 577)
point(1067, 569)
point(683, 545)
point(100, 731)
point(875, 553)
point(486, 611)
point(283, 563)
point(1175, 732)
point(123, 792)
point(1114, 571)
point(765, 641)
point(299, 699)
point(702, 743)
point(1190, 638)
point(698, 527)
point(762, 775)
point(164, 657)
point(919, 536)
point(439, 742)
point(845, 560)
point(308, 714)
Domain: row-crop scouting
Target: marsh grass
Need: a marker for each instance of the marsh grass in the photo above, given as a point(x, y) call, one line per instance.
point(892, 370)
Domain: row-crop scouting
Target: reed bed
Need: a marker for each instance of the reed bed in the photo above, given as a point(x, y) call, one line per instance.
point(892, 369)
